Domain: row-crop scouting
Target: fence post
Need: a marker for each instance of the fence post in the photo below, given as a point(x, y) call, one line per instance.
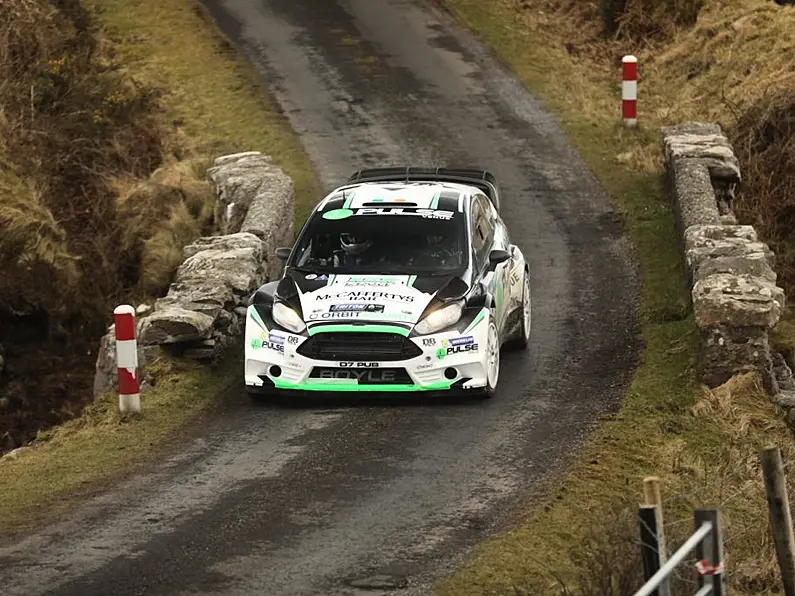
point(780, 516)
point(629, 90)
point(652, 496)
point(649, 522)
point(127, 359)
point(710, 552)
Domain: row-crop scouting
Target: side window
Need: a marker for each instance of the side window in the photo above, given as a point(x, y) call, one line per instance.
point(482, 231)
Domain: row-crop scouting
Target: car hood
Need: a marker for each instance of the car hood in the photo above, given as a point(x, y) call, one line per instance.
point(366, 298)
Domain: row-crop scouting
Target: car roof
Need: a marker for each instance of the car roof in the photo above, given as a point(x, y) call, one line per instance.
point(446, 196)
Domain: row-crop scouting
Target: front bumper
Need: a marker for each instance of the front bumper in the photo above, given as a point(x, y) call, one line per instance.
point(447, 361)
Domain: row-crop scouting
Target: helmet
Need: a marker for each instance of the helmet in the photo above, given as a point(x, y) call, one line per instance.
point(435, 239)
point(354, 244)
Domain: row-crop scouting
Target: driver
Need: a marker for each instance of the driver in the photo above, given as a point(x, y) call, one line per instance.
point(440, 250)
point(355, 249)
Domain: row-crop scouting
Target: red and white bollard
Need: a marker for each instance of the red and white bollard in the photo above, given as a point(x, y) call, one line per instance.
point(127, 359)
point(629, 90)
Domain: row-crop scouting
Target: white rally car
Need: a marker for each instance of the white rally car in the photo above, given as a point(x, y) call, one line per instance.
point(404, 279)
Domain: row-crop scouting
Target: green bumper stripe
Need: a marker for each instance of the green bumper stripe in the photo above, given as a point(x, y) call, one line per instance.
point(435, 201)
point(256, 318)
point(353, 386)
point(359, 329)
point(474, 323)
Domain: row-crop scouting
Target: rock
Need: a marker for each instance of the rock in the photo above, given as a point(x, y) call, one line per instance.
point(237, 179)
point(726, 249)
point(704, 144)
point(701, 235)
point(753, 264)
point(236, 241)
point(173, 324)
point(695, 197)
point(728, 350)
point(5, 403)
point(738, 300)
point(270, 216)
point(785, 398)
point(218, 276)
point(783, 373)
point(143, 309)
point(241, 311)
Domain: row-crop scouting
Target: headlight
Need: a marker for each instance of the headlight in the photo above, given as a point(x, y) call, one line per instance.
point(439, 319)
point(287, 318)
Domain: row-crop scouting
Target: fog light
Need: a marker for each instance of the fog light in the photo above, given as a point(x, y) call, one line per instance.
point(450, 373)
point(276, 371)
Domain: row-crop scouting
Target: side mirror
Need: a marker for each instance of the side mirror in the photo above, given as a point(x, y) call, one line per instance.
point(496, 257)
point(283, 253)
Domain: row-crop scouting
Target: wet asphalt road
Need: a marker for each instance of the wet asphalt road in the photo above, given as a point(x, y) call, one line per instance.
point(316, 498)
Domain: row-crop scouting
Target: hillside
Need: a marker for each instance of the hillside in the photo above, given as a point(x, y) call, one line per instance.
point(103, 145)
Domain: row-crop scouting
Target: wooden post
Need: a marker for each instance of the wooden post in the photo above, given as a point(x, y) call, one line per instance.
point(780, 516)
point(710, 550)
point(652, 496)
point(650, 529)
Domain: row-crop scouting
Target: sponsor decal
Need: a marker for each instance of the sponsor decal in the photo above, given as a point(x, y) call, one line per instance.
point(363, 295)
point(514, 278)
point(357, 307)
point(310, 276)
point(363, 375)
point(323, 277)
point(336, 214)
point(259, 343)
point(334, 315)
point(358, 365)
point(275, 338)
point(293, 339)
point(428, 341)
point(425, 366)
point(457, 345)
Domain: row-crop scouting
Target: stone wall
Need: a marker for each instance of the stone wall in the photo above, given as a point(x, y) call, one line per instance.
point(730, 272)
point(204, 310)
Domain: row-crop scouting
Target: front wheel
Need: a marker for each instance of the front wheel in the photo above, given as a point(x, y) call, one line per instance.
point(492, 361)
point(526, 316)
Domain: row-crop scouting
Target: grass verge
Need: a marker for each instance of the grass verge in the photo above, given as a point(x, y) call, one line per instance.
point(217, 105)
point(211, 93)
point(702, 444)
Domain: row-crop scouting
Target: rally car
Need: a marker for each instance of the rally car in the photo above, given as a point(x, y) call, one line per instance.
point(403, 279)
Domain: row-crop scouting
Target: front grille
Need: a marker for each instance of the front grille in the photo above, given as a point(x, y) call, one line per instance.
point(359, 346)
point(365, 376)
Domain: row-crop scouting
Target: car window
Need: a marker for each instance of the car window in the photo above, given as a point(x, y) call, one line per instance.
point(482, 230)
point(389, 240)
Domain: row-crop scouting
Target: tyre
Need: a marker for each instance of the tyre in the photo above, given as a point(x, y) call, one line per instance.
point(492, 362)
point(525, 324)
point(522, 338)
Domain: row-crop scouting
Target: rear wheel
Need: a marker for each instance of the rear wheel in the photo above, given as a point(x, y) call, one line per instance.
point(492, 361)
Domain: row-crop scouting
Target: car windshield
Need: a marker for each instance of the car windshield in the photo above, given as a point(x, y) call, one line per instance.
point(389, 241)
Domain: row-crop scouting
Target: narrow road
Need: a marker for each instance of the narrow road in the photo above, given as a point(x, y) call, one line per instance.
point(353, 498)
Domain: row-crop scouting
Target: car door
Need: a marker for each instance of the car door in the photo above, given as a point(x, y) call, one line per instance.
point(486, 239)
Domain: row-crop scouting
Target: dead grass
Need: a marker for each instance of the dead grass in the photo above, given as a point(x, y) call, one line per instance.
point(108, 120)
point(702, 444)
